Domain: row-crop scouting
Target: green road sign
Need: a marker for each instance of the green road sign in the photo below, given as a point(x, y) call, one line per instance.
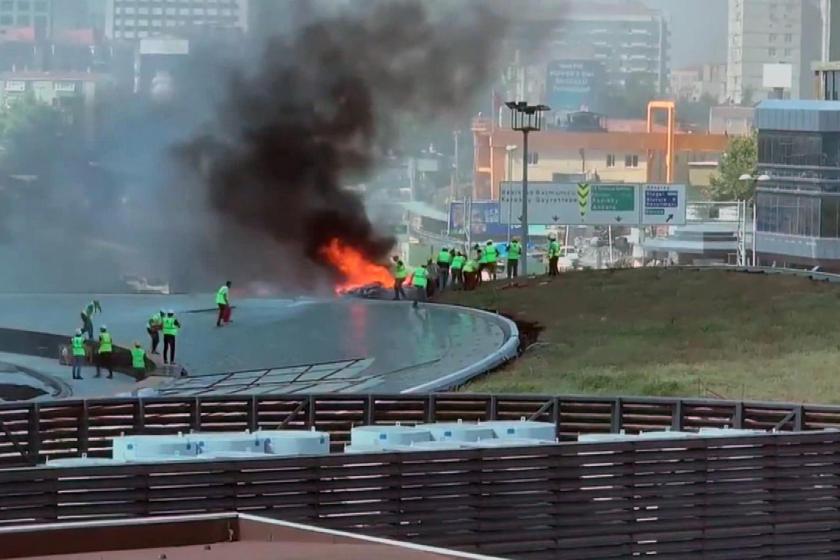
point(613, 198)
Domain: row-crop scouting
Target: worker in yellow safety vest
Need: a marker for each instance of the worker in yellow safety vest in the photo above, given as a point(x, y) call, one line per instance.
point(400, 274)
point(171, 326)
point(514, 251)
point(77, 358)
point(138, 360)
point(104, 353)
point(420, 280)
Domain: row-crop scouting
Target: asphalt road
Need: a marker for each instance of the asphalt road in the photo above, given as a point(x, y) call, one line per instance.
point(400, 347)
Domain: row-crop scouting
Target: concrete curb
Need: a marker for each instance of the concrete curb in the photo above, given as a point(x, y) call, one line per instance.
point(506, 352)
point(816, 276)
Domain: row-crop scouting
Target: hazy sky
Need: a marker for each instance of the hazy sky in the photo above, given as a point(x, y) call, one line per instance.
point(698, 30)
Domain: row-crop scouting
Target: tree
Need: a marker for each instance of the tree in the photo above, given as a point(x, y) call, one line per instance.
point(29, 133)
point(740, 158)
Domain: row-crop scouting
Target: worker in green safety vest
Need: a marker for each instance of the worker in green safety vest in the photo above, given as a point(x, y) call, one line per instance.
point(87, 314)
point(514, 251)
point(104, 353)
point(400, 274)
point(419, 281)
point(223, 302)
point(457, 269)
point(470, 273)
point(138, 360)
point(553, 255)
point(77, 358)
point(491, 256)
point(444, 261)
point(154, 327)
point(171, 327)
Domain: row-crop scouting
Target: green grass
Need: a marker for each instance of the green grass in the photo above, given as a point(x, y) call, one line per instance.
point(671, 333)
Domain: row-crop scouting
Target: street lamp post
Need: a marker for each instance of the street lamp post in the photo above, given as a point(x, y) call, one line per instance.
point(510, 149)
point(755, 179)
point(525, 118)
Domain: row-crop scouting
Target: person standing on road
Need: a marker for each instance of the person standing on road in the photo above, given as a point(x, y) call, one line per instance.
point(514, 251)
point(154, 327)
point(470, 274)
point(420, 281)
point(87, 317)
point(171, 326)
point(491, 256)
point(400, 274)
point(457, 268)
point(444, 261)
point(105, 353)
point(77, 344)
point(223, 301)
point(553, 256)
point(138, 361)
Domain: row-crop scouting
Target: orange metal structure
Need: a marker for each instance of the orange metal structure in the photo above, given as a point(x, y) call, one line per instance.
point(671, 109)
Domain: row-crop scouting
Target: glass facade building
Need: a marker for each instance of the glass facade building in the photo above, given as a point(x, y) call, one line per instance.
point(798, 208)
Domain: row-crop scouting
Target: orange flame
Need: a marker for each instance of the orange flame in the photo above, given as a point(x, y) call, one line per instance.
point(354, 267)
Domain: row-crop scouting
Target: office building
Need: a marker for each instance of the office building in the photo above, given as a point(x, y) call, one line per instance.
point(628, 41)
point(798, 208)
point(763, 32)
point(138, 19)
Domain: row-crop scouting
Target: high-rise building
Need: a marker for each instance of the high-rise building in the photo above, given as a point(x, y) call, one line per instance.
point(137, 19)
point(34, 14)
point(764, 36)
point(630, 41)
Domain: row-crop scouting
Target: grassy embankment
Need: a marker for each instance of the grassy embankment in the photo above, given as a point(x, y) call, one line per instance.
point(670, 333)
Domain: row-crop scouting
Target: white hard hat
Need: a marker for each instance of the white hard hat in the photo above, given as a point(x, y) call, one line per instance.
point(78, 331)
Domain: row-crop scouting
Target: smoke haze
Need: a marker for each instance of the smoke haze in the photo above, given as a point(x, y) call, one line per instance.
point(238, 172)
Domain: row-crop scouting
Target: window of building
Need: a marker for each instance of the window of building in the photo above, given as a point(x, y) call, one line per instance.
point(7, 5)
point(772, 37)
point(790, 214)
point(788, 52)
point(6, 20)
point(533, 158)
point(771, 51)
point(829, 216)
point(40, 6)
point(788, 37)
point(610, 160)
point(23, 5)
point(23, 19)
point(631, 161)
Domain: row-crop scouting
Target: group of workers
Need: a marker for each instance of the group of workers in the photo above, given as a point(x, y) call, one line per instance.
point(454, 269)
point(162, 322)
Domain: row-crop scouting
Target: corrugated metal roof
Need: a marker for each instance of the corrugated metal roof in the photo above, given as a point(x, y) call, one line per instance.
point(798, 115)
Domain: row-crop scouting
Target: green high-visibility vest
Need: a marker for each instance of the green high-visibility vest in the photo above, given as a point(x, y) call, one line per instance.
point(401, 271)
point(169, 326)
point(514, 251)
point(421, 277)
point(156, 320)
point(444, 257)
point(78, 344)
point(222, 296)
point(491, 253)
point(471, 265)
point(458, 262)
point(105, 345)
point(553, 249)
point(138, 358)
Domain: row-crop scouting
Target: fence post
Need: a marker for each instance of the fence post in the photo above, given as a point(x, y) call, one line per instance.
point(738, 417)
point(310, 412)
point(799, 418)
point(34, 429)
point(677, 416)
point(430, 408)
point(615, 417)
point(83, 428)
point(195, 415)
point(555, 416)
point(139, 417)
point(492, 410)
point(253, 419)
point(370, 417)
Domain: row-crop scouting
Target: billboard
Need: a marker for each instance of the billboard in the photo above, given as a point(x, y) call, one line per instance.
point(485, 220)
point(574, 85)
point(595, 204)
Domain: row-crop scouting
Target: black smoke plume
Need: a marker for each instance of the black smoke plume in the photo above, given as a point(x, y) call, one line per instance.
point(323, 107)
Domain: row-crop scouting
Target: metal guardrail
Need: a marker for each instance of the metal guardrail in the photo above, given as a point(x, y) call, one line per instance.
point(34, 432)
